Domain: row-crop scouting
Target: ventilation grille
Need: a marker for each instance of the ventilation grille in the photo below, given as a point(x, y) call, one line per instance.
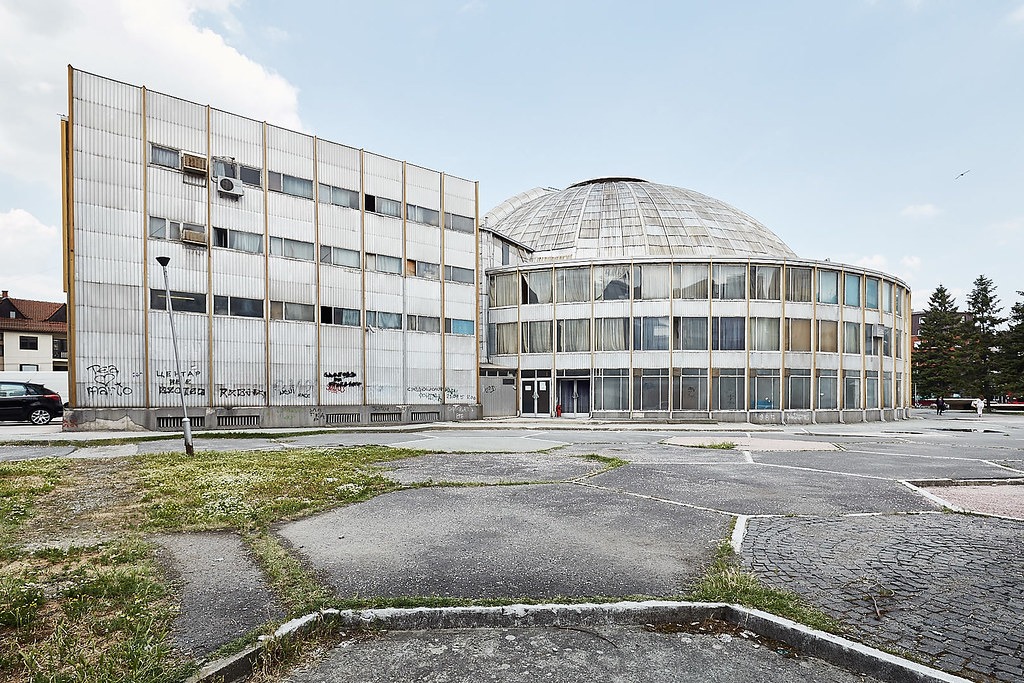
point(175, 422)
point(238, 420)
point(426, 416)
point(385, 417)
point(341, 418)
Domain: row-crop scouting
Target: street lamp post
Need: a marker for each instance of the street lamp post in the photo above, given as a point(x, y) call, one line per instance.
point(186, 424)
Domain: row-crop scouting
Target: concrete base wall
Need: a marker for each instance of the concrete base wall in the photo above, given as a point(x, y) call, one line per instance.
point(276, 417)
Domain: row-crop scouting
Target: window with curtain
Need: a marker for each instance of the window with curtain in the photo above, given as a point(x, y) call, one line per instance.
point(798, 284)
point(728, 282)
point(729, 388)
point(651, 282)
point(691, 334)
point(851, 389)
point(887, 342)
point(573, 335)
point(798, 334)
point(690, 281)
point(764, 334)
point(690, 389)
point(887, 390)
point(828, 390)
point(851, 290)
point(503, 290)
point(798, 390)
point(871, 389)
point(872, 340)
point(899, 388)
point(611, 389)
point(611, 283)
point(727, 334)
point(887, 297)
point(899, 301)
point(828, 287)
point(572, 284)
point(611, 334)
point(506, 338)
point(828, 336)
point(650, 389)
point(765, 282)
point(537, 336)
point(651, 333)
point(851, 337)
point(765, 390)
point(899, 344)
point(871, 293)
point(536, 287)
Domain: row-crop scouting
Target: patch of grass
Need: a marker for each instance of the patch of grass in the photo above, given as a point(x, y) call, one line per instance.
point(250, 489)
point(725, 581)
point(300, 592)
point(609, 462)
point(717, 445)
point(21, 485)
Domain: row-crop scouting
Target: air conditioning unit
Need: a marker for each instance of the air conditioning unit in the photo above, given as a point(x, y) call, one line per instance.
point(877, 331)
point(193, 163)
point(230, 187)
point(193, 236)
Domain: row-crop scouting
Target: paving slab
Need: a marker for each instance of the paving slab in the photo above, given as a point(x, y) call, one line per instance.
point(945, 588)
point(900, 467)
point(743, 443)
point(12, 453)
point(993, 499)
point(562, 655)
point(756, 489)
point(544, 541)
point(481, 442)
point(656, 453)
point(224, 594)
point(491, 468)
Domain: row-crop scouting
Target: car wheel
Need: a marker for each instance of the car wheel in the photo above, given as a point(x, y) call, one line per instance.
point(40, 416)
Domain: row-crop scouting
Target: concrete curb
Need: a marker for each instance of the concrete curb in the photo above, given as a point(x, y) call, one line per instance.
point(833, 649)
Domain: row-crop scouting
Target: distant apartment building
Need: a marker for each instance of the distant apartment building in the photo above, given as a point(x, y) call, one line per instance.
point(33, 335)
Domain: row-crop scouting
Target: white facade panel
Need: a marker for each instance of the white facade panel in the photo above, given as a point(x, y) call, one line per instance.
point(237, 273)
point(338, 165)
point(423, 297)
point(423, 242)
point(289, 152)
point(384, 292)
point(244, 213)
point(292, 280)
point(385, 367)
point(186, 271)
point(423, 187)
point(193, 347)
point(176, 123)
point(341, 287)
point(383, 235)
point(341, 363)
point(423, 374)
point(239, 361)
point(382, 176)
point(340, 227)
point(293, 363)
point(290, 217)
point(236, 137)
point(460, 369)
point(459, 249)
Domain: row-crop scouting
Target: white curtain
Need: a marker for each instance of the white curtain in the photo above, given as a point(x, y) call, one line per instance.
point(574, 335)
point(611, 334)
point(572, 284)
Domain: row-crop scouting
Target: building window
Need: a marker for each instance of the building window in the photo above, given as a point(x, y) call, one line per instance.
point(184, 302)
point(384, 264)
point(330, 315)
point(765, 282)
point(851, 389)
point(798, 334)
point(238, 306)
point(798, 390)
point(287, 184)
point(60, 348)
point(505, 254)
point(611, 389)
point(728, 282)
point(28, 367)
point(828, 287)
point(690, 281)
point(339, 196)
point(899, 301)
point(651, 282)
point(286, 310)
point(383, 205)
point(423, 323)
point(691, 334)
point(690, 389)
point(287, 248)
point(424, 269)
point(337, 256)
point(164, 156)
point(828, 390)
point(851, 290)
point(873, 339)
point(764, 334)
point(650, 389)
point(611, 334)
point(236, 239)
point(453, 221)
point(537, 336)
point(887, 390)
point(506, 339)
point(163, 229)
point(764, 390)
point(899, 344)
point(228, 168)
point(828, 336)
point(651, 333)
point(887, 297)
point(727, 334)
point(536, 287)
point(871, 293)
point(383, 320)
point(798, 284)
point(851, 337)
point(503, 290)
point(30, 343)
point(871, 389)
point(899, 388)
point(572, 284)
point(573, 335)
point(611, 283)
point(730, 386)
point(459, 326)
point(420, 214)
point(461, 275)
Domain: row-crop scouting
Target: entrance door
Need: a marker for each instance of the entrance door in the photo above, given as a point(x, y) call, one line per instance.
point(574, 396)
point(536, 396)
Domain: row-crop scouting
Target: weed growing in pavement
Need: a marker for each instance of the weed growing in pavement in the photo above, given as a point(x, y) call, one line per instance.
point(718, 445)
point(725, 581)
point(21, 485)
point(300, 593)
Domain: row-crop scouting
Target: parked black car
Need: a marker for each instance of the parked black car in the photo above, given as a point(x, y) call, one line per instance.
point(27, 401)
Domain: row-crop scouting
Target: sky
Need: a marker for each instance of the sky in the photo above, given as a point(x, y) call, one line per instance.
point(882, 133)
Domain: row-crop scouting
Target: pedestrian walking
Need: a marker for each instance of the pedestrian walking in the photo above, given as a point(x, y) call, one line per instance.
point(940, 406)
point(979, 403)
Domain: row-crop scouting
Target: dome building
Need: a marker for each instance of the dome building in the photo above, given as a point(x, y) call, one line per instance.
point(622, 298)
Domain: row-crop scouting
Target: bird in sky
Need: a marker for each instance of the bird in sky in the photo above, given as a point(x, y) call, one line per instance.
point(962, 174)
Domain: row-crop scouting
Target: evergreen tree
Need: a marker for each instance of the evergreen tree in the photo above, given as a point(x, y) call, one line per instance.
point(1011, 353)
point(936, 360)
point(981, 338)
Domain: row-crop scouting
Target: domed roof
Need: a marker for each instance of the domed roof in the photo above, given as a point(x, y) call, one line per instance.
point(629, 217)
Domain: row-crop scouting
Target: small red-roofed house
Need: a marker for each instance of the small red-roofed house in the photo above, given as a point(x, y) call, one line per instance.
point(33, 335)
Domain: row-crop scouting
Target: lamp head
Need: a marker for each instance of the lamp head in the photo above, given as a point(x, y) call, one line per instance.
point(163, 260)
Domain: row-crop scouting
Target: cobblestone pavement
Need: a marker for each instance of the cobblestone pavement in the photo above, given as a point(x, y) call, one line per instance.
point(945, 589)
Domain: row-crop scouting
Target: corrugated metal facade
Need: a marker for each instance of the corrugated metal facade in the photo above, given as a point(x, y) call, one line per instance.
point(299, 287)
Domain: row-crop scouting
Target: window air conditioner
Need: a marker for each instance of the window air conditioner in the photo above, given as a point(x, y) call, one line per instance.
point(193, 236)
point(230, 187)
point(193, 163)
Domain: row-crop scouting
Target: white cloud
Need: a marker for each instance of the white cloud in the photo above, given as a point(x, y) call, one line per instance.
point(874, 262)
point(1017, 16)
point(910, 264)
point(30, 257)
point(920, 211)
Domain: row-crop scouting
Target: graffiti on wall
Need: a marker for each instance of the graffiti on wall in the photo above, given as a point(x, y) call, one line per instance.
point(338, 382)
point(167, 382)
point(302, 388)
point(105, 381)
point(435, 394)
point(247, 391)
